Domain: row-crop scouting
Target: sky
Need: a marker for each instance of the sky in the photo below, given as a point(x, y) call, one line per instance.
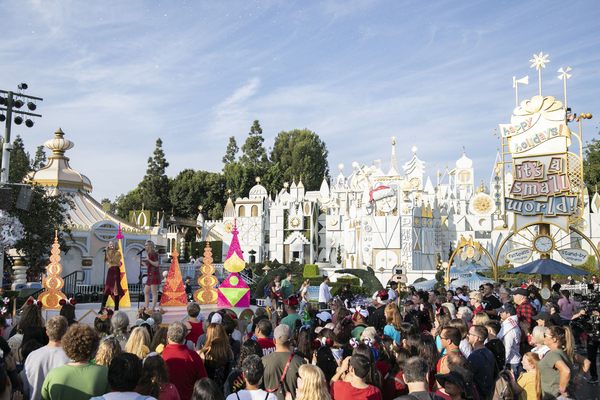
point(118, 75)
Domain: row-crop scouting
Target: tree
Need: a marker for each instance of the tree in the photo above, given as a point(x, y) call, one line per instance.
point(591, 165)
point(155, 187)
point(40, 159)
point(191, 189)
point(231, 151)
point(19, 161)
point(254, 153)
point(301, 154)
point(128, 202)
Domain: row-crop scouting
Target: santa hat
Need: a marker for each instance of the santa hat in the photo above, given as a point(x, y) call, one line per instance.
point(381, 297)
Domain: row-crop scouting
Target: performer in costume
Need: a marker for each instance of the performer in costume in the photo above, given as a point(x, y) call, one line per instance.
point(153, 274)
point(112, 257)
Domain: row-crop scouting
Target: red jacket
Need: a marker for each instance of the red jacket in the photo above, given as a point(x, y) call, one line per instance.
point(185, 368)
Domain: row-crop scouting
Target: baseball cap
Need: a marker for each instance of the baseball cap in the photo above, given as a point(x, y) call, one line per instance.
point(542, 315)
point(282, 333)
point(509, 308)
point(324, 316)
point(460, 377)
point(521, 291)
point(216, 318)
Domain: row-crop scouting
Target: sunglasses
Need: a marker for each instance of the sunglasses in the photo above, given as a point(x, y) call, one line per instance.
point(550, 336)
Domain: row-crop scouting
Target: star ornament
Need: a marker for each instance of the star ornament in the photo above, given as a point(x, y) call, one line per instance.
point(539, 61)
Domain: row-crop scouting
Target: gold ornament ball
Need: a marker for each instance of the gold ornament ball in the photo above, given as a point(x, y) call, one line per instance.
point(588, 116)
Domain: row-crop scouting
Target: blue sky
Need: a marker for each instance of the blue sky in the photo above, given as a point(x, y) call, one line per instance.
point(116, 75)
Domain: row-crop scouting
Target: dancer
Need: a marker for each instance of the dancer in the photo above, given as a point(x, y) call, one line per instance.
point(153, 274)
point(112, 256)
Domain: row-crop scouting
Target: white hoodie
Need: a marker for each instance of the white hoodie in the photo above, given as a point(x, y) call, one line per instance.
point(510, 333)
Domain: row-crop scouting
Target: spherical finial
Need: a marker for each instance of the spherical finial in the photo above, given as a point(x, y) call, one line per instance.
point(341, 167)
point(199, 208)
point(229, 191)
point(257, 179)
point(285, 185)
point(414, 149)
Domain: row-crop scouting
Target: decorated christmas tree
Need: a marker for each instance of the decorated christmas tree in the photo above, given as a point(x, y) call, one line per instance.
point(124, 301)
point(207, 294)
point(174, 292)
point(234, 292)
point(53, 283)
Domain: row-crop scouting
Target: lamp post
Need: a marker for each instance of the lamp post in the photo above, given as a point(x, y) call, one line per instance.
point(12, 104)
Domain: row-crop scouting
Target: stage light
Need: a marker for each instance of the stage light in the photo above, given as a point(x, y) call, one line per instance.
point(18, 120)
point(28, 123)
point(22, 86)
point(31, 106)
point(19, 103)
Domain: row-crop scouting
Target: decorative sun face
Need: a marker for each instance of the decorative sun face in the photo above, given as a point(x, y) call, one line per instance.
point(387, 204)
point(415, 183)
point(228, 227)
point(483, 204)
point(295, 222)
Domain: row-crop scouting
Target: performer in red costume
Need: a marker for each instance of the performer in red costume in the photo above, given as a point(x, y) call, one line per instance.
point(112, 257)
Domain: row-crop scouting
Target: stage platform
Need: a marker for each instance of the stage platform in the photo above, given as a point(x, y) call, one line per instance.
point(85, 313)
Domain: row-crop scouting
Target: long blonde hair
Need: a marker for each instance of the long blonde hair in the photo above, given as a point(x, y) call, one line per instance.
point(313, 384)
point(107, 351)
point(216, 349)
point(392, 316)
point(151, 246)
point(138, 339)
point(534, 359)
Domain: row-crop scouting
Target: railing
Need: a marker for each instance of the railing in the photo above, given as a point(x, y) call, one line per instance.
point(93, 293)
point(71, 282)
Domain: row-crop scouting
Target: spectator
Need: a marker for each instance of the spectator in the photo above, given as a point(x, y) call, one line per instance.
point(290, 307)
point(263, 334)
point(194, 325)
point(120, 323)
point(482, 361)
point(510, 334)
point(377, 318)
point(394, 385)
point(235, 381)
point(567, 306)
point(157, 317)
point(495, 345)
point(304, 295)
point(213, 318)
point(253, 369)
point(68, 311)
point(108, 350)
point(273, 293)
point(555, 367)
point(305, 348)
point(526, 386)
point(154, 380)
point(359, 320)
point(78, 380)
point(123, 376)
point(450, 337)
point(525, 310)
point(392, 294)
point(207, 389)
point(138, 343)
point(457, 384)
point(160, 341)
point(393, 322)
point(324, 294)
point(416, 376)
point(216, 354)
point(313, 384)
point(480, 319)
point(441, 321)
point(48, 357)
point(185, 365)
point(537, 337)
point(276, 378)
point(461, 325)
point(505, 296)
point(373, 377)
point(287, 287)
point(490, 302)
point(465, 314)
point(355, 386)
point(475, 299)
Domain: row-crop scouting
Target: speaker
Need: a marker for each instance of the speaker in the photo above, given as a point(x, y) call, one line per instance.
point(6, 198)
point(25, 198)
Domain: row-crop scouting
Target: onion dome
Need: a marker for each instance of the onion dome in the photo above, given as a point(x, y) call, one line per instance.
point(57, 173)
point(464, 162)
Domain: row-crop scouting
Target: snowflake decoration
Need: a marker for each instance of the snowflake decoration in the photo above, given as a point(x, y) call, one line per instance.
point(539, 61)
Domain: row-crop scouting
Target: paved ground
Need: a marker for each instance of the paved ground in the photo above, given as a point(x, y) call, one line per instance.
point(588, 391)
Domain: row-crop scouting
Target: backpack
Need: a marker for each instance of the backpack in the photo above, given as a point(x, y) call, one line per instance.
point(501, 389)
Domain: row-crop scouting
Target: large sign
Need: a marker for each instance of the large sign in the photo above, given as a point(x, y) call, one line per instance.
point(538, 140)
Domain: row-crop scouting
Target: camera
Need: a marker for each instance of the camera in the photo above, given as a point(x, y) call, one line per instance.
point(589, 323)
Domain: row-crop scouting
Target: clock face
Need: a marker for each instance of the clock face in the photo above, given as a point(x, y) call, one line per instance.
point(543, 244)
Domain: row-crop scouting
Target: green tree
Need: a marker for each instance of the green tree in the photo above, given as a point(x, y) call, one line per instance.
point(591, 165)
point(129, 202)
point(301, 154)
point(191, 189)
point(236, 179)
point(19, 161)
point(231, 152)
point(254, 153)
point(40, 159)
point(155, 187)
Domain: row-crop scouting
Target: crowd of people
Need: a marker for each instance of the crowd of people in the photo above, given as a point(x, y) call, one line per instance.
point(477, 345)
